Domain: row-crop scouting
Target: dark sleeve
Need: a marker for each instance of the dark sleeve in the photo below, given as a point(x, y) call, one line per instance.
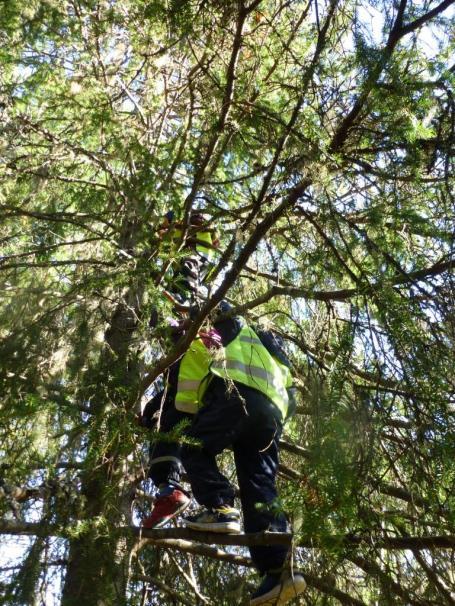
point(147, 418)
point(292, 404)
point(228, 328)
point(274, 344)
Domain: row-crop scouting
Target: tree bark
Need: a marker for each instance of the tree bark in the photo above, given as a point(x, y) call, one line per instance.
point(97, 569)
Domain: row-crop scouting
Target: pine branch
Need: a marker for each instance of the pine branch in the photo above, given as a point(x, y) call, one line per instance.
point(413, 25)
point(199, 549)
point(50, 264)
point(343, 294)
point(165, 588)
point(324, 586)
point(9, 527)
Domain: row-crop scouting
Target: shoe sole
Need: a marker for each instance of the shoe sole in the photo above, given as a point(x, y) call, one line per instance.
point(227, 528)
point(181, 509)
point(279, 596)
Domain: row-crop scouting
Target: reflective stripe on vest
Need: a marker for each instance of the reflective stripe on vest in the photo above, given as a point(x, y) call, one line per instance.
point(191, 386)
point(247, 361)
point(205, 237)
point(201, 238)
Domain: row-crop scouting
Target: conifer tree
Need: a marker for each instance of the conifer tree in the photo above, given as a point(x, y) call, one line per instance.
point(318, 138)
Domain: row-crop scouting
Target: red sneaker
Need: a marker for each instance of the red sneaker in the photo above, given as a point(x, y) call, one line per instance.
point(166, 507)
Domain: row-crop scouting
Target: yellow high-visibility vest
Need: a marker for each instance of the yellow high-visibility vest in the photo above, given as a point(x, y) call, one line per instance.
point(202, 238)
point(247, 361)
point(194, 368)
point(203, 241)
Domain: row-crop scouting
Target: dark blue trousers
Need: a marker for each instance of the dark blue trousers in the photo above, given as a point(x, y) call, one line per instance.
point(246, 421)
point(165, 450)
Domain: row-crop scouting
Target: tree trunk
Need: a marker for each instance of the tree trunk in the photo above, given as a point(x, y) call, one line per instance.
point(98, 558)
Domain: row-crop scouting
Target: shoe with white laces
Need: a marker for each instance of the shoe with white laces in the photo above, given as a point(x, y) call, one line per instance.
point(224, 519)
point(278, 589)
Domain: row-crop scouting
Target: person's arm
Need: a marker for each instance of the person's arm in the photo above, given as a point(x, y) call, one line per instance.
point(281, 356)
point(148, 418)
point(292, 402)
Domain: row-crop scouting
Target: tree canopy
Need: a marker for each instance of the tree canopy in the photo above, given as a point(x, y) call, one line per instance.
point(317, 136)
